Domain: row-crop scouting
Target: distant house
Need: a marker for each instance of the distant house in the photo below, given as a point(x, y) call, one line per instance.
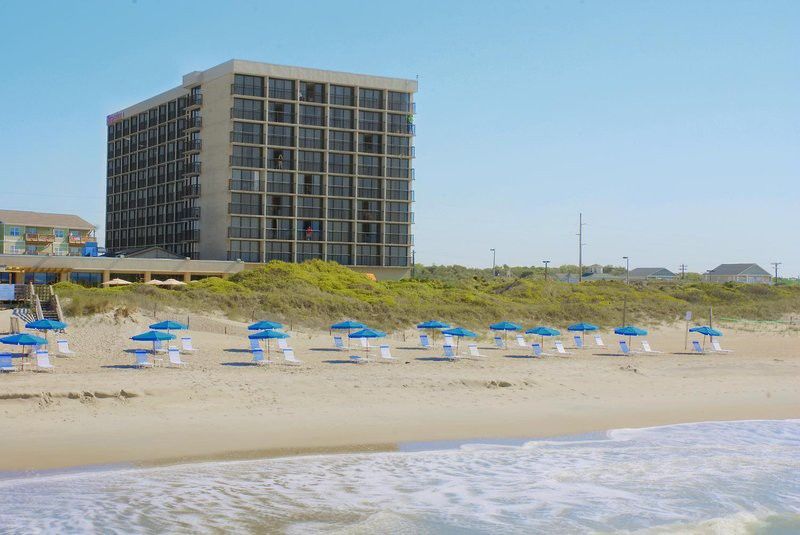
point(44, 234)
point(652, 274)
point(748, 273)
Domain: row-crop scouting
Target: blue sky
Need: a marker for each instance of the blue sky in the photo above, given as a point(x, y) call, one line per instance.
point(673, 126)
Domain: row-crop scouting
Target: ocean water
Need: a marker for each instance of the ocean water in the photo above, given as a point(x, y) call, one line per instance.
point(715, 477)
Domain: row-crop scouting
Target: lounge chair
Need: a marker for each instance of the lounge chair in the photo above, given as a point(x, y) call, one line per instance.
point(560, 348)
point(386, 353)
point(290, 359)
point(578, 342)
point(338, 344)
point(521, 341)
point(186, 345)
point(358, 359)
point(174, 355)
point(448, 340)
point(43, 361)
point(472, 352)
point(623, 346)
point(696, 347)
point(158, 347)
point(282, 344)
point(449, 354)
point(537, 349)
point(6, 365)
point(258, 357)
point(647, 349)
point(141, 359)
point(254, 345)
point(718, 348)
point(63, 348)
point(424, 342)
point(365, 343)
point(598, 341)
point(499, 343)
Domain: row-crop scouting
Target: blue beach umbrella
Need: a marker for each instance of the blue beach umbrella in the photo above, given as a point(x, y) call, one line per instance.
point(433, 326)
point(706, 330)
point(268, 334)
point(629, 331)
point(505, 326)
point(582, 328)
point(23, 339)
point(367, 333)
point(542, 332)
point(46, 325)
point(264, 325)
point(348, 326)
point(459, 333)
point(153, 336)
point(169, 326)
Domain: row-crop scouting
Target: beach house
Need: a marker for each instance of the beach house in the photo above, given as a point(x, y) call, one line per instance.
point(652, 274)
point(747, 273)
point(45, 234)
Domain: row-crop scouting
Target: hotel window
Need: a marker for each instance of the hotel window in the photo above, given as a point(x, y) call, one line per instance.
point(369, 255)
point(400, 124)
point(245, 108)
point(252, 133)
point(282, 136)
point(309, 230)
point(311, 138)
point(310, 207)
point(309, 251)
point(310, 161)
point(341, 231)
point(280, 112)
point(340, 209)
point(370, 120)
point(398, 167)
point(90, 280)
point(280, 159)
point(370, 98)
point(248, 85)
point(398, 211)
point(279, 229)
point(340, 118)
point(340, 186)
point(312, 92)
point(369, 210)
point(369, 188)
point(397, 256)
point(310, 185)
point(278, 251)
point(312, 115)
point(283, 89)
point(340, 140)
point(245, 203)
point(369, 165)
point(397, 234)
point(370, 143)
point(369, 233)
point(341, 95)
point(398, 145)
point(279, 182)
point(13, 231)
point(397, 101)
point(245, 156)
point(247, 251)
point(245, 227)
point(398, 190)
point(340, 253)
point(279, 205)
point(340, 163)
point(59, 233)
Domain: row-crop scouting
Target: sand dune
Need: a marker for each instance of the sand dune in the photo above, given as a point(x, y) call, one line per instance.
point(97, 409)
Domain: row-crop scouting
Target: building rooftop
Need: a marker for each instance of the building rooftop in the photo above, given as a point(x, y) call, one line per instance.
point(645, 272)
point(738, 269)
point(41, 219)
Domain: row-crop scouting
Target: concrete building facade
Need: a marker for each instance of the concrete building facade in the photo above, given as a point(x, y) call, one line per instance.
point(257, 162)
point(37, 233)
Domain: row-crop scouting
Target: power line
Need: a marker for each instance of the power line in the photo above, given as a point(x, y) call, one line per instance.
point(683, 270)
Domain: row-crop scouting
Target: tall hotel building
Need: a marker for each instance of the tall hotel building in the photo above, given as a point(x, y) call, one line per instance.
point(257, 162)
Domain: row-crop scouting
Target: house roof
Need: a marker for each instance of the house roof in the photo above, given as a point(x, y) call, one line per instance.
point(152, 251)
point(651, 272)
point(739, 269)
point(41, 219)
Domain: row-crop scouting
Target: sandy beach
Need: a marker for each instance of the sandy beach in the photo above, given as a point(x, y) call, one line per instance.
point(97, 409)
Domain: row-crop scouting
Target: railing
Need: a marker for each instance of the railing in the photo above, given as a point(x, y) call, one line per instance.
point(193, 145)
point(281, 117)
point(340, 145)
point(244, 161)
point(341, 237)
point(341, 123)
point(314, 235)
point(342, 100)
point(191, 168)
point(279, 187)
point(249, 115)
point(40, 238)
point(340, 213)
point(408, 107)
point(369, 215)
point(246, 185)
point(369, 193)
point(310, 189)
point(400, 128)
point(398, 172)
point(373, 126)
point(375, 148)
point(245, 256)
point(398, 217)
point(56, 305)
point(78, 240)
point(281, 141)
point(192, 212)
point(191, 190)
point(312, 120)
point(340, 168)
point(399, 239)
point(374, 103)
point(314, 213)
point(284, 94)
point(369, 260)
point(368, 237)
point(247, 137)
point(310, 166)
point(248, 90)
point(399, 195)
point(280, 234)
point(245, 209)
point(280, 164)
point(195, 99)
point(370, 170)
point(280, 211)
point(400, 150)
point(249, 233)
point(312, 143)
point(194, 122)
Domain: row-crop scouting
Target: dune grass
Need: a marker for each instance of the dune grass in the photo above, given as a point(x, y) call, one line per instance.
point(316, 293)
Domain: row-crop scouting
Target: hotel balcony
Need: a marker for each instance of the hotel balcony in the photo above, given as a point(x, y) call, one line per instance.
point(40, 238)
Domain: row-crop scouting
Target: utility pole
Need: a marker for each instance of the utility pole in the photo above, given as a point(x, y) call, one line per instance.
point(683, 270)
point(775, 265)
point(494, 262)
point(545, 262)
point(581, 224)
point(627, 269)
point(413, 262)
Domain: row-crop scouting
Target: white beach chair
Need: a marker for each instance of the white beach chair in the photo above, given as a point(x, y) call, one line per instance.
point(560, 348)
point(448, 340)
point(623, 346)
point(365, 343)
point(449, 354)
point(141, 359)
point(338, 344)
point(283, 344)
point(359, 359)
point(718, 348)
point(499, 343)
point(158, 346)
point(174, 355)
point(521, 341)
point(289, 358)
point(386, 353)
point(472, 352)
point(537, 349)
point(6, 364)
point(696, 346)
point(424, 341)
point(63, 348)
point(254, 344)
point(647, 349)
point(258, 357)
point(186, 345)
point(43, 361)
point(578, 342)
point(598, 341)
